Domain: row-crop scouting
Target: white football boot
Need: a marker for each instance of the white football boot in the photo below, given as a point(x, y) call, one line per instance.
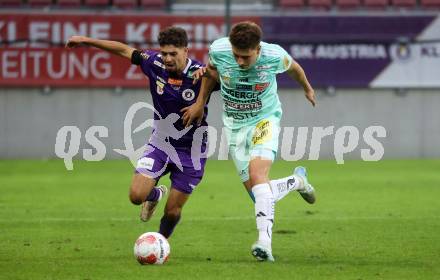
point(148, 207)
point(262, 252)
point(307, 192)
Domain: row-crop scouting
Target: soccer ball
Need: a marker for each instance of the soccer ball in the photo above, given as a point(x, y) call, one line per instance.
point(151, 248)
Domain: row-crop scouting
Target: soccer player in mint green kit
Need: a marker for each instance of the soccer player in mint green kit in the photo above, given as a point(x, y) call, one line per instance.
point(246, 68)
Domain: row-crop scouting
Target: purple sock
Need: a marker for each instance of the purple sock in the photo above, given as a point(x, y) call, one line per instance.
point(167, 225)
point(153, 195)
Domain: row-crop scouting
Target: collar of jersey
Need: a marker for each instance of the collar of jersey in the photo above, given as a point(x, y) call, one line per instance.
point(187, 65)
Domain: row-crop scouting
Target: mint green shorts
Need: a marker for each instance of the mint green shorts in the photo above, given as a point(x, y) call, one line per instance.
point(257, 140)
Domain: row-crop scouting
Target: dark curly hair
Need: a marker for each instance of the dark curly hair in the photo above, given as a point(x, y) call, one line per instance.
point(175, 36)
point(245, 35)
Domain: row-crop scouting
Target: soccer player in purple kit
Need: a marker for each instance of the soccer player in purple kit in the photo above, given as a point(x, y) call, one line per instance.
point(172, 87)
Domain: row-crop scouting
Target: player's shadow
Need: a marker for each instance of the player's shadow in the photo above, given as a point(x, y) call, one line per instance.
point(206, 259)
point(308, 261)
point(349, 262)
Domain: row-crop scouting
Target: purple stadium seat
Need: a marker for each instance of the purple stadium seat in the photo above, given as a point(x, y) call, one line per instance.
point(291, 4)
point(153, 4)
point(428, 4)
point(320, 4)
point(10, 3)
point(69, 3)
point(39, 3)
point(348, 4)
point(125, 4)
point(376, 4)
point(96, 3)
point(404, 3)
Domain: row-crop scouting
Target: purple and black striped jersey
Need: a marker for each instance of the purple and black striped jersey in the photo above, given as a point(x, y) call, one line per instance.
point(172, 94)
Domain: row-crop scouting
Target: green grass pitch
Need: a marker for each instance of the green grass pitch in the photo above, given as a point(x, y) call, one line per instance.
point(372, 220)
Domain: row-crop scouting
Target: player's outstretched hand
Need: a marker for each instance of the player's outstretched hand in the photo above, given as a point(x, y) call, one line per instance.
point(310, 95)
point(192, 113)
point(75, 41)
point(198, 74)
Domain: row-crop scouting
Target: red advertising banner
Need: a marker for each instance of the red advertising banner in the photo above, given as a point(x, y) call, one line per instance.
point(32, 52)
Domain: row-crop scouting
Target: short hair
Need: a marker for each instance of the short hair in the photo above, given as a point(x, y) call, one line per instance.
point(175, 36)
point(245, 35)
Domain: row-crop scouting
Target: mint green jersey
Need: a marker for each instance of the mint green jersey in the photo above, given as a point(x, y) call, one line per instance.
point(249, 95)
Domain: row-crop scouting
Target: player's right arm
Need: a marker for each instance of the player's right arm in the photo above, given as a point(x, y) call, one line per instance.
point(114, 47)
point(296, 72)
point(208, 83)
point(195, 111)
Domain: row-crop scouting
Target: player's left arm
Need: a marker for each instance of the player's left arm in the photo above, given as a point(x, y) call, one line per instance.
point(114, 47)
point(297, 73)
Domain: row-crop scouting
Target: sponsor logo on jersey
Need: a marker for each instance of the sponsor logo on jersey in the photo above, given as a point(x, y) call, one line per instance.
point(262, 67)
point(262, 75)
point(261, 87)
point(188, 94)
point(243, 80)
point(161, 79)
point(243, 107)
point(158, 63)
point(241, 116)
point(159, 87)
point(145, 56)
point(243, 87)
point(241, 94)
point(262, 133)
point(225, 79)
point(175, 82)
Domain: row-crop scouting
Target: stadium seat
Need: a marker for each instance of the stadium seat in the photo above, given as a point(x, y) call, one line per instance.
point(96, 3)
point(428, 4)
point(10, 3)
point(320, 4)
point(376, 4)
point(125, 4)
point(39, 3)
point(291, 3)
point(153, 4)
point(348, 4)
point(69, 3)
point(404, 3)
